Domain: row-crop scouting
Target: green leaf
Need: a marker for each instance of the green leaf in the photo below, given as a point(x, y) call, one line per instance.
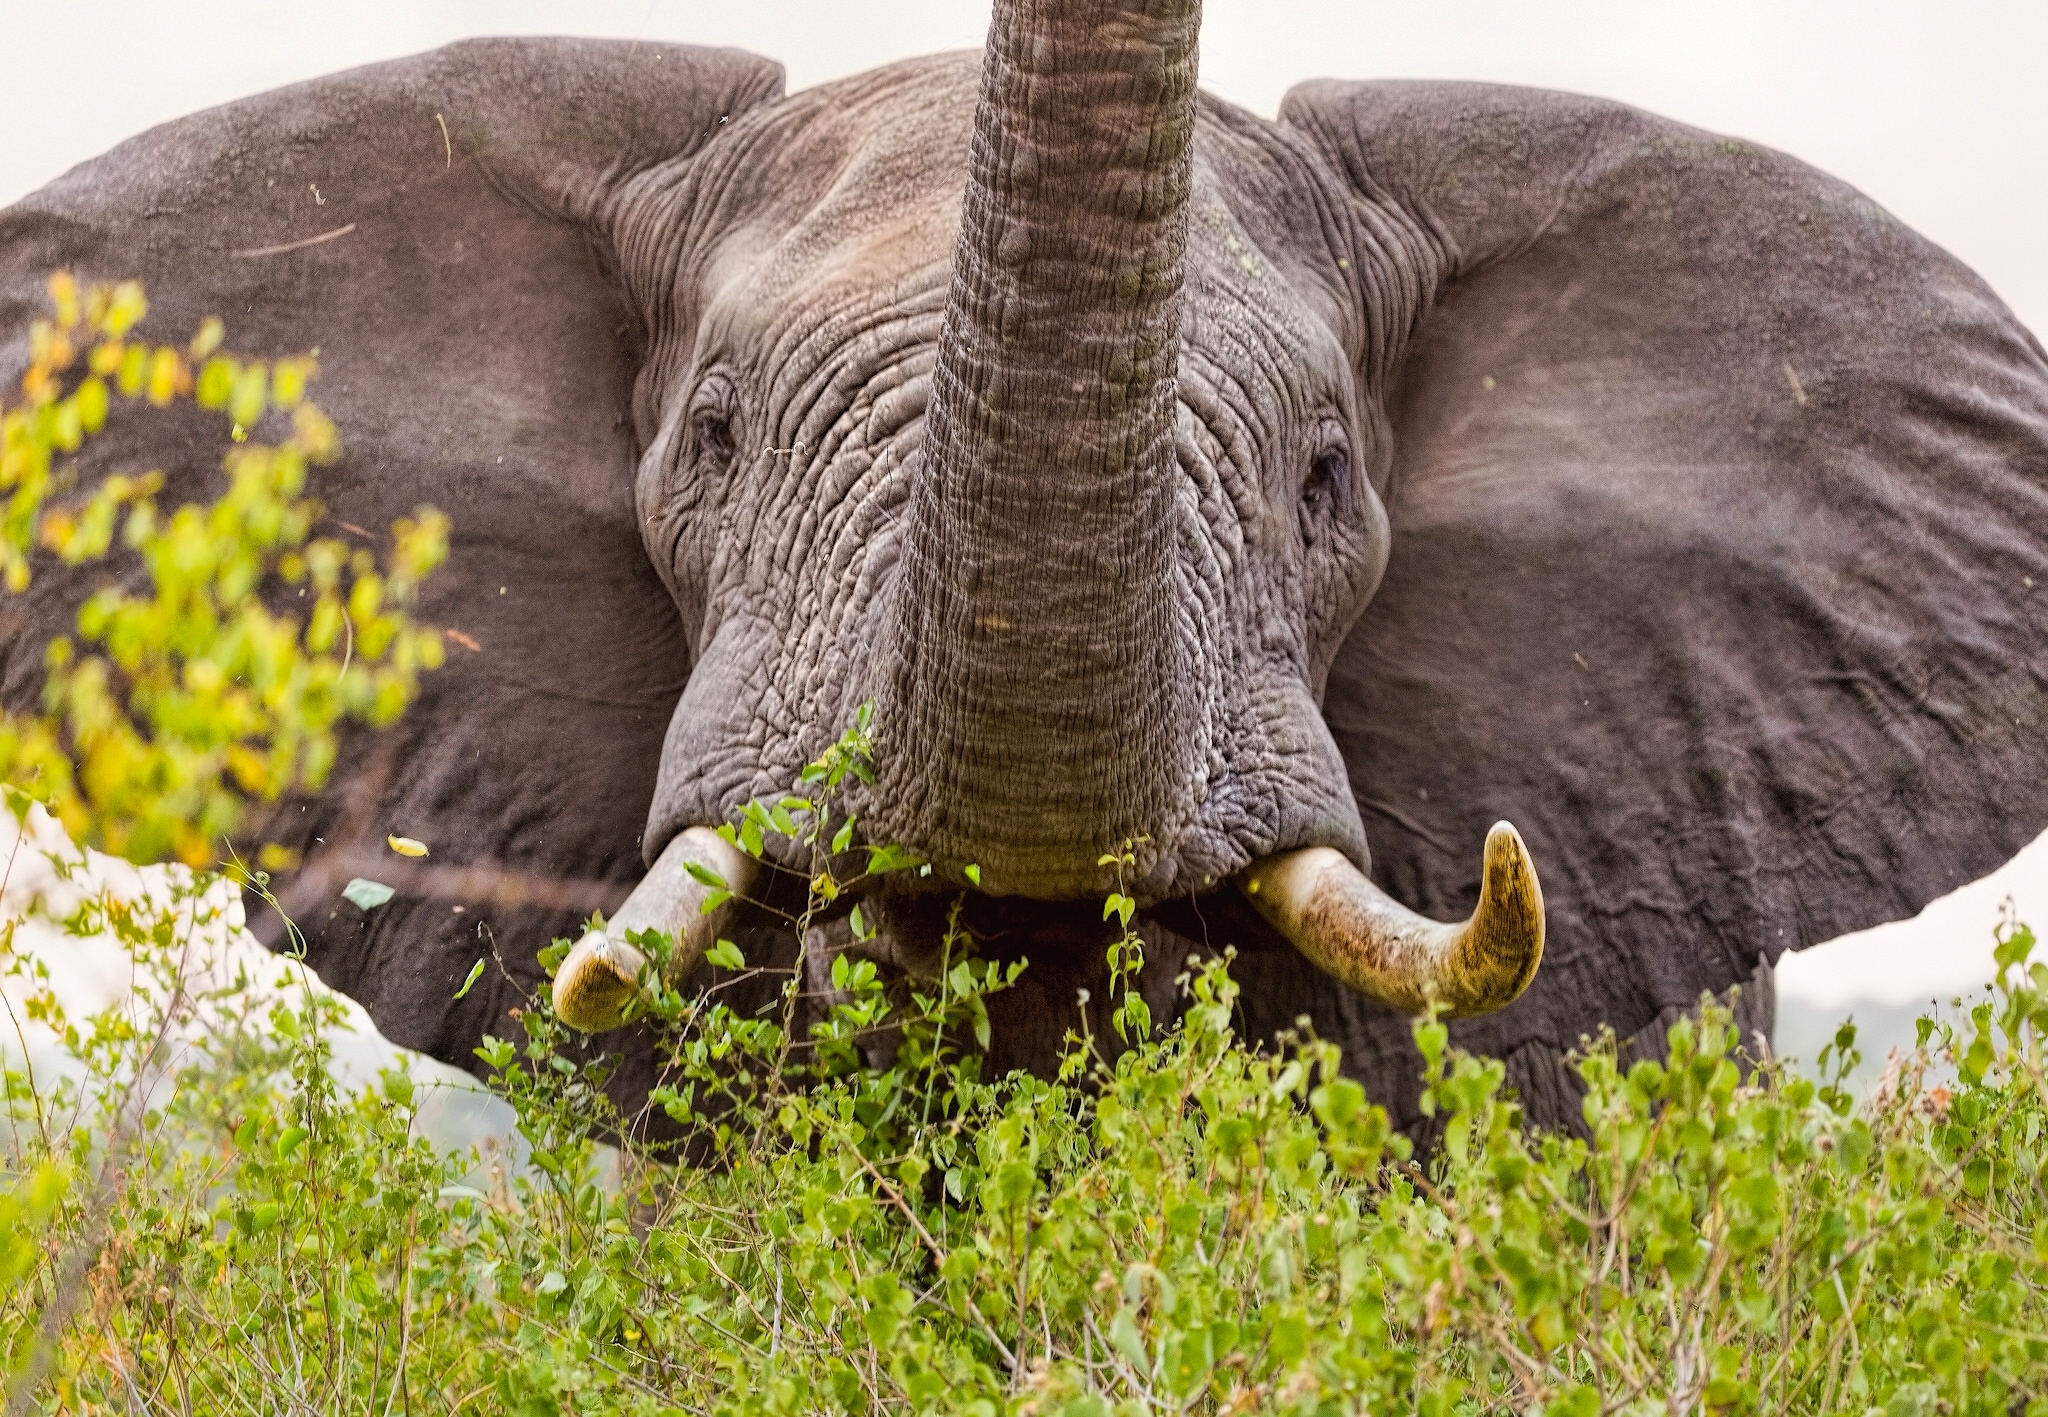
point(216, 382)
point(1124, 1337)
point(704, 875)
point(1577, 1401)
point(726, 955)
point(250, 395)
point(884, 859)
point(476, 972)
point(843, 838)
point(972, 873)
point(366, 894)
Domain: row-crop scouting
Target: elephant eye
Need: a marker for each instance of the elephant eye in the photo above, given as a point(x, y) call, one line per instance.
point(712, 426)
point(1328, 487)
point(712, 432)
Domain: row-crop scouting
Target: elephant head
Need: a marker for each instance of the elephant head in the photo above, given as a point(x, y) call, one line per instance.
point(1080, 498)
point(1238, 494)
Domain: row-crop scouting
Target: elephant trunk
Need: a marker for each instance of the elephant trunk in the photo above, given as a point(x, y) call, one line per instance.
point(1041, 710)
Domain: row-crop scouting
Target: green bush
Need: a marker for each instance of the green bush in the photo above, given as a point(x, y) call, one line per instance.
point(844, 1215)
point(1194, 1225)
point(197, 696)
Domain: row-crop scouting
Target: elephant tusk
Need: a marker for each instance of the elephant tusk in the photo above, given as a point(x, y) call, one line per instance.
point(1362, 937)
point(602, 972)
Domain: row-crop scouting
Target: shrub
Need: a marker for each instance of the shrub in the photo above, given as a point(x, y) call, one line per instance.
point(195, 696)
point(1195, 1225)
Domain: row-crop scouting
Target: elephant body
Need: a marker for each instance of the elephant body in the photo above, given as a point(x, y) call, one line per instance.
point(1510, 454)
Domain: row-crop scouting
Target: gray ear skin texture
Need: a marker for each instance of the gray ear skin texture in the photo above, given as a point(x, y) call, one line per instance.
point(1720, 558)
point(477, 356)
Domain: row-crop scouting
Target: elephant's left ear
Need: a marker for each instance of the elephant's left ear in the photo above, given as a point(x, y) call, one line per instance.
point(1720, 561)
point(426, 224)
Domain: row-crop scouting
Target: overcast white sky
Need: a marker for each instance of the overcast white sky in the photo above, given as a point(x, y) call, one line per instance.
point(1937, 111)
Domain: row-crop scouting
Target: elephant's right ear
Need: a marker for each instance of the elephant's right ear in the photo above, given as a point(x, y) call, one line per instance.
point(425, 224)
point(1720, 547)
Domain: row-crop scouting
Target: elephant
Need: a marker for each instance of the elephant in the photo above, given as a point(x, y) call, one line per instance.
point(1242, 514)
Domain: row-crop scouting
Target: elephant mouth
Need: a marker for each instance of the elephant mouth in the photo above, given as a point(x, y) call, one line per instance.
point(1314, 898)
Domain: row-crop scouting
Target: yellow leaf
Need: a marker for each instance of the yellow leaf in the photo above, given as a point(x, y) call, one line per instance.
point(247, 399)
point(57, 530)
point(91, 403)
point(288, 382)
point(134, 366)
point(248, 768)
point(127, 309)
point(217, 381)
point(315, 434)
point(277, 858)
point(406, 846)
point(366, 596)
point(193, 849)
point(64, 295)
point(207, 340)
point(164, 369)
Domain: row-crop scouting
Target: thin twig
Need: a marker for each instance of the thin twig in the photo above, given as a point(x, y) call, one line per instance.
point(262, 251)
point(938, 1255)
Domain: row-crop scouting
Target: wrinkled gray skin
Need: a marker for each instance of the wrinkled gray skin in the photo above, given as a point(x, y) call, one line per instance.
point(789, 568)
point(1456, 453)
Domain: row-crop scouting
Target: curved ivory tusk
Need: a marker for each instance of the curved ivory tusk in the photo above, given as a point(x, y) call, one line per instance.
point(602, 973)
point(1362, 937)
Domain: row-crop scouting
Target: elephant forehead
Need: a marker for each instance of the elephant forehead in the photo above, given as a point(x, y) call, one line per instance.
point(862, 197)
point(852, 198)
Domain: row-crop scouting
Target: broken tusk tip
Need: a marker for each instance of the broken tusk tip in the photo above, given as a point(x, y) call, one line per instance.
point(590, 990)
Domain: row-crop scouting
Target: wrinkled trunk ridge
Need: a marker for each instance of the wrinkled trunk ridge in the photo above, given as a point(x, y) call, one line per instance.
point(1040, 712)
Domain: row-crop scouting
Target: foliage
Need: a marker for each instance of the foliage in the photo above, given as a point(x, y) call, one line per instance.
point(1191, 1225)
point(185, 695)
